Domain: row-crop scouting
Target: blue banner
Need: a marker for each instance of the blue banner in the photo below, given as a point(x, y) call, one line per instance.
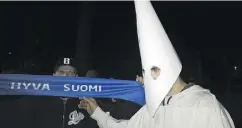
point(46, 85)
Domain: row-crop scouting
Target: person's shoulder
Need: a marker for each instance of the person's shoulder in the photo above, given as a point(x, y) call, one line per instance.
point(197, 96)
point(204, 98)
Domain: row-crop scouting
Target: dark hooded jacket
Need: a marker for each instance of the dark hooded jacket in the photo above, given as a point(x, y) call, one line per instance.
point(47, 112)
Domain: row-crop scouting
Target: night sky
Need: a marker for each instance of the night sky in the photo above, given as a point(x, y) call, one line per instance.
point(206, 36)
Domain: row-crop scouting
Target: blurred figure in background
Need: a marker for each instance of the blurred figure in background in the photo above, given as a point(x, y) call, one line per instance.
point(92, 73)
point(13, 107)
point(10, 66)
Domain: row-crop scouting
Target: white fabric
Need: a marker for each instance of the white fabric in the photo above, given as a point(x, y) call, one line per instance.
point(156, 50)
point(195, 107)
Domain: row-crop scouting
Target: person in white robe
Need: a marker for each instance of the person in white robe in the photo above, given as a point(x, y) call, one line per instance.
point(170, 102)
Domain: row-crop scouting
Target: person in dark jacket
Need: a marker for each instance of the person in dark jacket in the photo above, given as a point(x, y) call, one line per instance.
point(62, 112)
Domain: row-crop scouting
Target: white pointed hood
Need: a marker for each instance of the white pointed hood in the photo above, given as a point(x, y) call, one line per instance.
point(155, 50)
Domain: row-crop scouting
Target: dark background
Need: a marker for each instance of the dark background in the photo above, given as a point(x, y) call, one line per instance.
point(102, 36)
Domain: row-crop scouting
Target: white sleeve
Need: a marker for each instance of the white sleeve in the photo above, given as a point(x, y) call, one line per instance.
point(104, 120)
point(213, 116)
point(226, 119)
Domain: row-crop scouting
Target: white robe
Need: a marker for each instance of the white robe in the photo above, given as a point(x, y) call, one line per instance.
point(194, 107)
